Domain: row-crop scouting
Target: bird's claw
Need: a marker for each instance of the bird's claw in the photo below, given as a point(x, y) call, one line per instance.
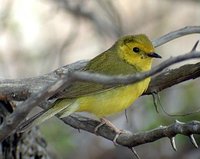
point(111, 125)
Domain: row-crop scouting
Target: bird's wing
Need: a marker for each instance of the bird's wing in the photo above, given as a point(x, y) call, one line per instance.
point(79, 89)
point(106, 63)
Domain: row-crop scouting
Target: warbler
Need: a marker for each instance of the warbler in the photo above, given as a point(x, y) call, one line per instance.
point(129, 55)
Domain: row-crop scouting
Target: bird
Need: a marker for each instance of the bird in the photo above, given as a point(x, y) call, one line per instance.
point(129, 55)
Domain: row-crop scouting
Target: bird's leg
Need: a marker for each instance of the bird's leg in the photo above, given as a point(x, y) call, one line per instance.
point(105, 121)
point(102, 122)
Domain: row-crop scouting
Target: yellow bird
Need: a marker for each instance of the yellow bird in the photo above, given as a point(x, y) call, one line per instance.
point(129, 55)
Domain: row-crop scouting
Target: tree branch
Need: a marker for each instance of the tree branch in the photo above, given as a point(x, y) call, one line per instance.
point(173, 77)
point(129, 139)
point(14, 119)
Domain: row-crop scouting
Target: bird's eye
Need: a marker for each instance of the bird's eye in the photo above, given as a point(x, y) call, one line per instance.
point(136, 49)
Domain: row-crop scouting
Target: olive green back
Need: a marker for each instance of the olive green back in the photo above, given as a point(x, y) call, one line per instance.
point(107, 63)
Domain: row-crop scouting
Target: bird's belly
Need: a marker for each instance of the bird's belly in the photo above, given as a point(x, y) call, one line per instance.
point(111, 101)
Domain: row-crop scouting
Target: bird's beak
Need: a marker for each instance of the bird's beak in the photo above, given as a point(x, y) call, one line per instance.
point(154, 55)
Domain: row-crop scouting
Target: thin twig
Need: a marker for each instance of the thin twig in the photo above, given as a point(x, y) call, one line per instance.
point(113, 80)
point(176, 34)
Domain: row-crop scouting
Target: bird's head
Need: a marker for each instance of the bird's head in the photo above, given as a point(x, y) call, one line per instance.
point(136, 50)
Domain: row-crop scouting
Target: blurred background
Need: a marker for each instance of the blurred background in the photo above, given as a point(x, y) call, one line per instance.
point(37, 37)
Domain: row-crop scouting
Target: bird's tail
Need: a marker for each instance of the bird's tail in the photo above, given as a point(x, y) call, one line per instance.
point(62, 108)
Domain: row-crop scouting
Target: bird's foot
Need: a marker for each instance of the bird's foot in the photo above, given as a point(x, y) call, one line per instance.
point(105, 121)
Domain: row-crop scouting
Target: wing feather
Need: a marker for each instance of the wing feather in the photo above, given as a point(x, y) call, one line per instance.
point(106, 63)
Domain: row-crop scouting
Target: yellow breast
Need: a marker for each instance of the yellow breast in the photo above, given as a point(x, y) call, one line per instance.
point(112, 101)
